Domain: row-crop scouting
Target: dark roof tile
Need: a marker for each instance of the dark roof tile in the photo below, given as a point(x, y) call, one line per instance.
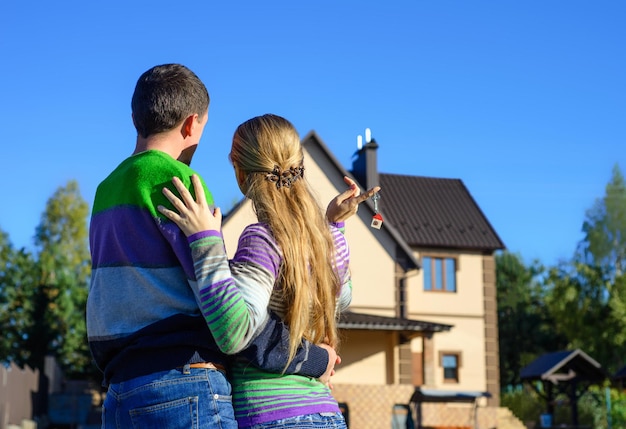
point(435, 212)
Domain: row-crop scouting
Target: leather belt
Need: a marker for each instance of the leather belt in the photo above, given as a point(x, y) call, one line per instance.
point(205, 365)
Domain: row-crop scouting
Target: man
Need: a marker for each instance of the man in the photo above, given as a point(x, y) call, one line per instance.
point(146, 333)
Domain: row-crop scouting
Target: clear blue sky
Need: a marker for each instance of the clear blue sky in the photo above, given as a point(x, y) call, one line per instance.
point(523, 101)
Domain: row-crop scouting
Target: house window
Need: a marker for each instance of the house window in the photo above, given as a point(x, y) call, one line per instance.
point(450, 362)
point(439, 274)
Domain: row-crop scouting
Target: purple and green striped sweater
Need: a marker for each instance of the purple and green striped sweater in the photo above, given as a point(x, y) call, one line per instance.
point(234, 298)
point(142, 313)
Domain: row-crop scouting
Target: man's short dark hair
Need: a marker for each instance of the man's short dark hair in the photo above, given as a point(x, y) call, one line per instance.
point(164, 96)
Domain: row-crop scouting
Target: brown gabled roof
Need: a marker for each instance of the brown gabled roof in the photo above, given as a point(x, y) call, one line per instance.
point(435, 212)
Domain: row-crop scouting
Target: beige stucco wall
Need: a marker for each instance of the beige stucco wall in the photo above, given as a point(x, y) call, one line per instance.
point(364, 358)
point(467, 338)
point(372, 272)
point(467, 301)
point(231, 230)
point(464, 310)
point(371, 264)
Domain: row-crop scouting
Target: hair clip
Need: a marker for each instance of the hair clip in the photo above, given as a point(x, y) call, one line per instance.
point(284, 178)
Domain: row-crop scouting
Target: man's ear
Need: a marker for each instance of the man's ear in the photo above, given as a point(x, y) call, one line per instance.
point(189, 125)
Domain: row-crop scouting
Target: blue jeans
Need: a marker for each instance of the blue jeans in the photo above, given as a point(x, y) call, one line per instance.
point(194, 399)
point(308, 421)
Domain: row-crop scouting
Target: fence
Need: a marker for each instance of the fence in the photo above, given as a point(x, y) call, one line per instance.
point(20, 394)
point(376, 406)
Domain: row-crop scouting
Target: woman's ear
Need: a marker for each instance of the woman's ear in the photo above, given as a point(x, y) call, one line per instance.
point(241, 179)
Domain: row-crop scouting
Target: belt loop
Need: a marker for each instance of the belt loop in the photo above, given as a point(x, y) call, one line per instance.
point(187, 369)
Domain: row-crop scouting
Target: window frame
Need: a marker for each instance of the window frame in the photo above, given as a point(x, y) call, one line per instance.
point(458, 356)
point(432, 270)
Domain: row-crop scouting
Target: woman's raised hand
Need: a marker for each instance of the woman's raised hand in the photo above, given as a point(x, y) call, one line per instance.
point(347, 203)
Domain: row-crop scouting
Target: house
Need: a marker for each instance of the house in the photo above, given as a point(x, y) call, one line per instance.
point(423, 313)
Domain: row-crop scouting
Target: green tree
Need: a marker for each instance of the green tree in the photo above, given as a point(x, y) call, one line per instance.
point(580, 304)
point(60, 293)
point(588, 294)
point(18, 272)
point(524, 323)
point(605, 229)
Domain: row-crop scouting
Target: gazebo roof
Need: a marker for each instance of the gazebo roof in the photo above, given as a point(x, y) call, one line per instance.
point(563, 366)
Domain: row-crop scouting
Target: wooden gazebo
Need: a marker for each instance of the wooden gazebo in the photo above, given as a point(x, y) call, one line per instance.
point(569, 372)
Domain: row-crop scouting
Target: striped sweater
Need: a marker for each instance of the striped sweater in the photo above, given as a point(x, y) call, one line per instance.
point(234, 298)
point(142, 313)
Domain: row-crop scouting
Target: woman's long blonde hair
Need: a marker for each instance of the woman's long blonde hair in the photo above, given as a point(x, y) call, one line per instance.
point(307, 276)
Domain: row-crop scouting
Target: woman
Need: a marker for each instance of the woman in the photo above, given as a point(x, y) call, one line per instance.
point(292, 260)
